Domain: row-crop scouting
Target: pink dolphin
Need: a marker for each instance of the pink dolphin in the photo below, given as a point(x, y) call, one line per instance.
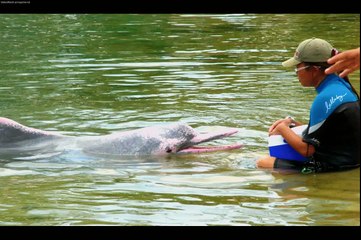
point(154, 140)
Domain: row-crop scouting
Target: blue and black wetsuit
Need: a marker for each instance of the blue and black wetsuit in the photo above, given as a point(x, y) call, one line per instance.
point(333, 129)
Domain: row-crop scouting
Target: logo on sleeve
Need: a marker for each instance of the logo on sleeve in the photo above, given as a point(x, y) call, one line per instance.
point(332, 100)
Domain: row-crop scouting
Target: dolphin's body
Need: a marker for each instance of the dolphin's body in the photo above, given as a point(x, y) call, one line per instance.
point(156, 140)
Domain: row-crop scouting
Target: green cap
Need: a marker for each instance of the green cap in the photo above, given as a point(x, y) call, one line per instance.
point(310, 50)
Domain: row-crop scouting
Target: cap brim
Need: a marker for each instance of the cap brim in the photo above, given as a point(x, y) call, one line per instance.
point(292, 62)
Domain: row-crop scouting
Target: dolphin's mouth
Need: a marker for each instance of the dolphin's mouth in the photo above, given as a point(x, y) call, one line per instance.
point(206, 137)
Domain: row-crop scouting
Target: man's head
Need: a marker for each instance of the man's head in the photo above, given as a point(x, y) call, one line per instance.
point(313, 50)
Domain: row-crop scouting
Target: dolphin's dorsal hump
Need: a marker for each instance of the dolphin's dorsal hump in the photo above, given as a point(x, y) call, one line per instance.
point(11, 132)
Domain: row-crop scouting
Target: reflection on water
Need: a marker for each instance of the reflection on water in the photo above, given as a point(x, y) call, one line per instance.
point(96, 74)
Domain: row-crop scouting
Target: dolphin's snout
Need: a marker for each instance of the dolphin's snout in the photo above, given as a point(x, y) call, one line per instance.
point(207, 137)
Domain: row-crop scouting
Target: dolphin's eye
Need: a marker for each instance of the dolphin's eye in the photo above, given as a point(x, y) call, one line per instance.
point(168, 150)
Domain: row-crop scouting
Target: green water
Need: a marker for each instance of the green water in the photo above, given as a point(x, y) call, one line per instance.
point(96, 74)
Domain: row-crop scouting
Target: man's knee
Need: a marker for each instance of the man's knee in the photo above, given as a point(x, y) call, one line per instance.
point(265, 162)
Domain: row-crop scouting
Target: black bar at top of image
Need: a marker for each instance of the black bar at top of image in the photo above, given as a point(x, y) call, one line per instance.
point(176, 6)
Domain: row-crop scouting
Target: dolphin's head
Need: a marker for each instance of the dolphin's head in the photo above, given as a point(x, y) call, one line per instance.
point(174, 137)
point(181, 138)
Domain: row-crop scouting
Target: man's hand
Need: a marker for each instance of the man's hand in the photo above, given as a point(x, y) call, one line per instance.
point(345, 62)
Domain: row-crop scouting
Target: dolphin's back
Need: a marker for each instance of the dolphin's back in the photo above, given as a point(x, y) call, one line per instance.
point(159, 139)
point(12, 132)
point(120, 144)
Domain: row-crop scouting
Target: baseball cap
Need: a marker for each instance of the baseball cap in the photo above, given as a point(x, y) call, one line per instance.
point(310, 50)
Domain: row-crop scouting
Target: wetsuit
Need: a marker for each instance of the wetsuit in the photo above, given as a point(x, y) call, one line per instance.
point(333, 129)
